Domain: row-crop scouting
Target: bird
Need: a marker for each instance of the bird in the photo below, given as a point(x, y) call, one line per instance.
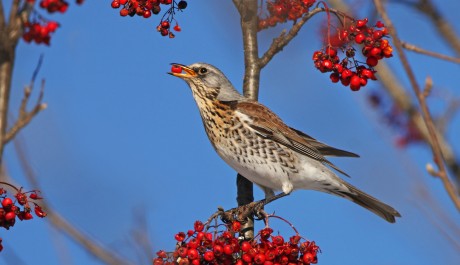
point(257, 144)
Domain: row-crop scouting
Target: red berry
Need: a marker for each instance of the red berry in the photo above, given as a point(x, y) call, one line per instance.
point(236, 226)
point(346, 73)
point(10, 216)
point(334, 77)
point(124, 12)
point(52, 26)
point(180, 236)
point(375, 52)
point(177, 28)
point(27, 216)
point(228, 249)
point(198, 226)
point(39, 211)
point(208, 256)
point(368, 74)
point(372, 61)
point(278, 240)
point(360, 38)
point(379, 24)
point(147, 14)
point(361, 23)
point(193, 254)
point(308, 257)
point(331, 51)
point(165, 24)
point(115, 4)
point(7, 203)
point(218, 250)
point(327, 65)
point(259, 258)
point(378, 34)
point(245, 246)
point(246, 258)
point(355, 83)
point(164, 32)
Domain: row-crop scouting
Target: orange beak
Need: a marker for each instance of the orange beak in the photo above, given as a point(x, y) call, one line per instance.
point(182, 71)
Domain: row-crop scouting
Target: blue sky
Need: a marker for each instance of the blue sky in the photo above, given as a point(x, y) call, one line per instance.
point(121, 137)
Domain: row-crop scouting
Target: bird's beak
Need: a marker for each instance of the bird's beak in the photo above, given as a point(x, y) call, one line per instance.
point(182, 71)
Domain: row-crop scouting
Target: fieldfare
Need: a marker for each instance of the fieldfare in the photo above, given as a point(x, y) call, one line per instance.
point(256, 143)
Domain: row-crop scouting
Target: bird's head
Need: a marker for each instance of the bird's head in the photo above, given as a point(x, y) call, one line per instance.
point(207, 81)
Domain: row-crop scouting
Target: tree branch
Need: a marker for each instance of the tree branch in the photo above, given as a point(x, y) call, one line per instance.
point(412, 47)
point(421, 96)
point(249, 22)
point(2, 17)
point(60, 223)
point(445, 29)
point(25, 117)
point(283, 39)
point(7, 54)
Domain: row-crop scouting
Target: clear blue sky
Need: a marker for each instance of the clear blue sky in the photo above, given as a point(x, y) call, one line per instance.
point(121, 137)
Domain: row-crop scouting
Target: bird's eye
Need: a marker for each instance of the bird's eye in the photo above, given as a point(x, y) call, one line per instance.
point(203, 70)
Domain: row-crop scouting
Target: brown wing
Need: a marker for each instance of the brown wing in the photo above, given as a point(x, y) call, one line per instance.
point(268, 125)
point(324, 149)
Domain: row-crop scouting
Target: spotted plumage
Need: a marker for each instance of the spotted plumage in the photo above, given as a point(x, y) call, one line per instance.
point(257, 144)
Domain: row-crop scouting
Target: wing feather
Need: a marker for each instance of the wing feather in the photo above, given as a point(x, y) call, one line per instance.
point(268, 125)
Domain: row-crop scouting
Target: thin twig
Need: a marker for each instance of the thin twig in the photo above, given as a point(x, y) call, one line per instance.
point(25, 117)
point(412, 47)
point(60, 223)
point(435, 146)
point(445, 29)
point(283, 39)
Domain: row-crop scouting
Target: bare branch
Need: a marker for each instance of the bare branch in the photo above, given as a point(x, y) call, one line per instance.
point(412, 47)
point(60, 223)
point(283, 39)
point(444, 28)
point(7, 54)
point(249, 22)
point(25, 117)
point(2, 17)
point(436, 148)
point(14, 11)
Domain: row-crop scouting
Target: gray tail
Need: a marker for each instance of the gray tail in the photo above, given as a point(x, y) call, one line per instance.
point(372, 204)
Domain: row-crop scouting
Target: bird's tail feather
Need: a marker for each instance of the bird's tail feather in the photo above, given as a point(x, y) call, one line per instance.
point(372, 204)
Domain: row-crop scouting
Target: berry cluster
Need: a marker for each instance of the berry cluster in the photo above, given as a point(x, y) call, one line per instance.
point(38, 29)
point(53, 6)
point(39, 32)
point(280, 11)
point(18, 207)
point(145, 8)
point(349, 71)
point(201, 246)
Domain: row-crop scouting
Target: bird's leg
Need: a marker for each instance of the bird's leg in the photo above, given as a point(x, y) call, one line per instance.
point(241, 213)
point(259, 205)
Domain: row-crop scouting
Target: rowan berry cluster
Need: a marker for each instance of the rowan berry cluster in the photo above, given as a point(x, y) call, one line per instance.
point(145, 8)
point(202, 246)
point(18, 207)
point(53, 6)
point(38, 29)
point(349, 70)
point(39, 32)
point(280, 11)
